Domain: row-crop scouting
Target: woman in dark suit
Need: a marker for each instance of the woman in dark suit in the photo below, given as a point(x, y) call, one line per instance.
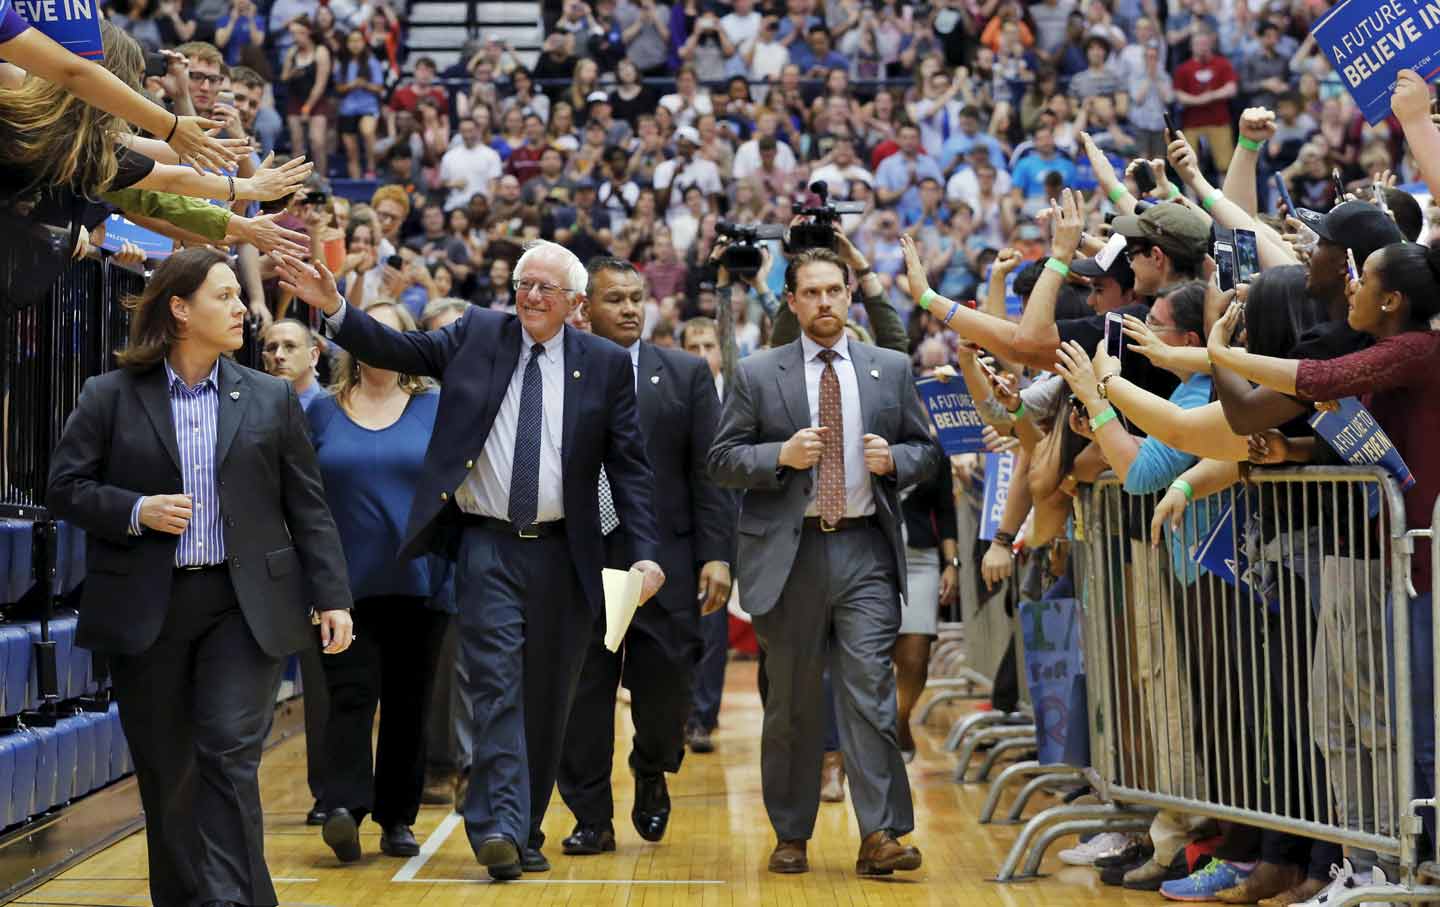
point(208, 542)
point(370, 436)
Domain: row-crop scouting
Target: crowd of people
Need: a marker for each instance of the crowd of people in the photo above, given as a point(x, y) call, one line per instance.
point(1017, 176)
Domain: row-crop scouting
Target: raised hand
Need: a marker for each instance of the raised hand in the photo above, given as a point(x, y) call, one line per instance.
point(313, 285)
point(271, 182)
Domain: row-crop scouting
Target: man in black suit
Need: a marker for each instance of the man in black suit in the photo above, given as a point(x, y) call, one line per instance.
point(208, 543)
point(530, 409)
point(679, 410)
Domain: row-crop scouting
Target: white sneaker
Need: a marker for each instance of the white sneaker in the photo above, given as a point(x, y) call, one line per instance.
point(1342, 878)
point(1379, 880)
point(1105, 844)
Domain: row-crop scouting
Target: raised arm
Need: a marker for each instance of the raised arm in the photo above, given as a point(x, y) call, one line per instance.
point(1411, 105)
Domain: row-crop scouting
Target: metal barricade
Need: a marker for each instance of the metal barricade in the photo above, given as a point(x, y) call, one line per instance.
point(1279, 700)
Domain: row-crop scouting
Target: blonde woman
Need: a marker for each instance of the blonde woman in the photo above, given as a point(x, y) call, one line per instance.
point(370, 437)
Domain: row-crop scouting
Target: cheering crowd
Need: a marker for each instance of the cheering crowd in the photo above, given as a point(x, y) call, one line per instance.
point(547, 336)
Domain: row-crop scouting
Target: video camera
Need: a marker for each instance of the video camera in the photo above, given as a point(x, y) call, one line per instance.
point(743, 255)
point(819, 233)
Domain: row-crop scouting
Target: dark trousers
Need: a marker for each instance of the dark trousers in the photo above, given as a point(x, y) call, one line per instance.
point(391, 664)
point(658, 677)
point(710, 673)
point(524, 626)
point(447, 738)
point(196, 708)
point(316, 700)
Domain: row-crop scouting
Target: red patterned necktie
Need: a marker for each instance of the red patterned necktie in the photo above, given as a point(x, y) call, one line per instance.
point(831, 496)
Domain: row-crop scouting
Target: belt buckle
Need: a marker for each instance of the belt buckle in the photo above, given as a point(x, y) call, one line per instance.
point(826, 527)
point(530, 534)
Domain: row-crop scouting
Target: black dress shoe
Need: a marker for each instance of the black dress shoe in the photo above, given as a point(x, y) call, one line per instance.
point(1114, 874)
point(316, 815)
point(532, 860)
point(651, 814)
point(1133, 854)
point(588, 840)
point(698, 739)
point(398, 841)
point(342, 833)
point(499, 855)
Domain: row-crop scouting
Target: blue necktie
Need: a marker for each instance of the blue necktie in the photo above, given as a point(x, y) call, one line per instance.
point(525, 469)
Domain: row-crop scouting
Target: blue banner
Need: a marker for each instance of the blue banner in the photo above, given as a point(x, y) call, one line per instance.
point(1222, 551)
point(958, 425)
point(118, 230)
point(1368, 42)
point(1360, 441)
point(999, 470)
point(73, 24)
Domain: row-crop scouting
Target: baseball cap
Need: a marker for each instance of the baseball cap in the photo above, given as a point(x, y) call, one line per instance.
point(1108, 262)
point(1358, 226)
point(687, 134)
point(597, 97)
point(1177, 230)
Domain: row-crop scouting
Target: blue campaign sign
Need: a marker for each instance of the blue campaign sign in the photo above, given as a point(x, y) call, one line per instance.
point(1360, 441)
point(118, 230)
point(952, 411)
point(1367, 43)
point(999, 470)
point(73, 24)
point(1222, 551)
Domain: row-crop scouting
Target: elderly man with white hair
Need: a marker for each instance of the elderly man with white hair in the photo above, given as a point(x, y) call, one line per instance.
point(537, 442)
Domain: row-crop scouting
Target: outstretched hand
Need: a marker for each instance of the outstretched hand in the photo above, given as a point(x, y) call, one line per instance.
point(313, 285)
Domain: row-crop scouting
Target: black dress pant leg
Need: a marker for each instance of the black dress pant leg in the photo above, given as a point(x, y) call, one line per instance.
point(353, 683)
point(316, 700)
point(409, 651)
point(659, 678)
point(584, 778)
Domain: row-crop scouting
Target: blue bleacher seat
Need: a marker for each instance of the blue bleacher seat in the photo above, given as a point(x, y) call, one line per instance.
point(26, 749)
point(120, 763)
point(67, 737)
point(7, 779)
point(21, 543)
point(15, 697)
point(6, 556)
point(48, 770)
point(62, 631)
point(104, 747)
point(86, 744)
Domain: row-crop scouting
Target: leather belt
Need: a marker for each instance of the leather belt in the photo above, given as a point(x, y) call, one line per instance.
point(537, 531)
point(849, 522)
point(202, 568)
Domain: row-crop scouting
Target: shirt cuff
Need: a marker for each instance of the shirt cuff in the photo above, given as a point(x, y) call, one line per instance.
point(135, 516)
point(333, 322)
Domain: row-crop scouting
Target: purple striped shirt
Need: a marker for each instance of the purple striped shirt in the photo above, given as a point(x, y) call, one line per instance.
point(195, 412)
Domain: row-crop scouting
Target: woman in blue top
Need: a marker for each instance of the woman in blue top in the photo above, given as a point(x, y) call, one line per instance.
point(360, 80)
point(370, 437)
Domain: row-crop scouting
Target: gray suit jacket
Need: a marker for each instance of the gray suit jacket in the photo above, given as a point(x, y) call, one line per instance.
point(765, 406)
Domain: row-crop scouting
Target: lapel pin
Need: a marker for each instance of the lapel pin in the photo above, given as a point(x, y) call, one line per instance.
point(874, 373)
point(234, 395)
point(654, 379)
point(575, 374)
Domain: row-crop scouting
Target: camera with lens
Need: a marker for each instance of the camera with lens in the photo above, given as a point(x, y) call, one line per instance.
point(743, 254)
point(819, 232)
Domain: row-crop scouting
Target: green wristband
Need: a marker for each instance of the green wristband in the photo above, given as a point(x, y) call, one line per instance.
point(1019, 413)
point(927, 298)
point(1058, 266)
point(1210, 202)
point(1116, 194)
point(1184, 488)
point(1100, 421)
point(1174, 193)
point(1248, 144)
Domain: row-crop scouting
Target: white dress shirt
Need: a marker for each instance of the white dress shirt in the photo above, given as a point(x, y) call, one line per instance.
point(486, 490)
point(859, 497)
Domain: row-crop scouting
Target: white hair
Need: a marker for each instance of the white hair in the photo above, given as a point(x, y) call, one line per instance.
point(576, 275)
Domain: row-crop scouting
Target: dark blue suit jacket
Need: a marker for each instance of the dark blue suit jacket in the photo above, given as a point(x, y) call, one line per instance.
point(474, 359)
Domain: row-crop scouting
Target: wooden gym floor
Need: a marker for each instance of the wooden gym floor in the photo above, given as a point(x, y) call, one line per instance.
point(714, 853)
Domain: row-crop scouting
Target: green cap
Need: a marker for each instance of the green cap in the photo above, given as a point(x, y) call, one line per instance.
point(1180, 232)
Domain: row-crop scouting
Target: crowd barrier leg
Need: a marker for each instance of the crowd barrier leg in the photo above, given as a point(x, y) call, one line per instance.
point(1078, 819)
point(1011, 775)
point(1000, 749)
point(964, 726)
point(1036, 785)
point(993, 735)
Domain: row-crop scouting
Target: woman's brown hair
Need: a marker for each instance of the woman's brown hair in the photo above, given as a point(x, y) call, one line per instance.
point(153, 331)
point(347, 367)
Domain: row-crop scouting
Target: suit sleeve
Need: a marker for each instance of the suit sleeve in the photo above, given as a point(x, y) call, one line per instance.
point(75, 491)
point(627, 466)
point(712, 507)
point(916, 454)
point(736, 459)
point(424, 353)
point(312, 528)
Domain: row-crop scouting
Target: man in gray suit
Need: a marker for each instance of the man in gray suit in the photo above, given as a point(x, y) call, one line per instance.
point(821, 434)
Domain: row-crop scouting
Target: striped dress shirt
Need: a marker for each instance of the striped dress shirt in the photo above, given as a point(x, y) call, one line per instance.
point(195, 412)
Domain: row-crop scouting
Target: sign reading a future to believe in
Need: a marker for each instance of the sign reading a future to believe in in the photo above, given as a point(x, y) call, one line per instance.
point(73, 24)
point(1369, 42)
point(958, 426)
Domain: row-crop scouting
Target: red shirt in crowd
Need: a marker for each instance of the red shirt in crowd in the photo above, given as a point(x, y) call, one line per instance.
point(524, 163)
point(1197, 77)
point(407, 97)
point(1398, 380)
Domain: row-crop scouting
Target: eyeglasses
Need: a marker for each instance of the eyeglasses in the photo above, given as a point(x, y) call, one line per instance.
point(548, 291)
point(214, 78)
point(1137, 251)
point(1158, 327)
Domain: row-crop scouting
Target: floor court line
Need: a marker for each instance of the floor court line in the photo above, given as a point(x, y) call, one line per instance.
point(432, 844)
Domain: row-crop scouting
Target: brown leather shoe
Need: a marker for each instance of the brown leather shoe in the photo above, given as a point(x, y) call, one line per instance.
point(439, 789)
point(1268, 880)
point(881, 854)
point(832, 778)
point(789, 858)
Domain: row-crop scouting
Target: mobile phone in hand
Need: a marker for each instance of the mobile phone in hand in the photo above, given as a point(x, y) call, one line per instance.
point(1144, 178)
point(1339, 185)
point(1169, 126)
point(1283, 192)
point(1247, 256)
point(1224, 254)
point(1114, 335)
